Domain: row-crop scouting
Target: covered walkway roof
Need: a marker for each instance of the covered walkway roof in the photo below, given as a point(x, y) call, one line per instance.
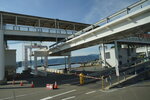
point(29, 20)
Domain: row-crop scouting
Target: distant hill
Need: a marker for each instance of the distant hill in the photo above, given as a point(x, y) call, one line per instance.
point(58, 61)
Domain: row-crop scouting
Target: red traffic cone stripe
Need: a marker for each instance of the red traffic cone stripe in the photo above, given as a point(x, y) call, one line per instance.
point(21, 83)
point(32, 85)
point(55, 85)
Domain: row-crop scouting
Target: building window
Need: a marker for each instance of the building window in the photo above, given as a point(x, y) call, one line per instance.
point(107, 55)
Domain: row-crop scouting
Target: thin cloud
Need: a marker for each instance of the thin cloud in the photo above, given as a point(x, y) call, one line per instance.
point(104, 8)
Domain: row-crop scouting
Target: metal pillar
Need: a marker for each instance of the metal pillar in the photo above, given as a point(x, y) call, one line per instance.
point(35, 64)
point(39, 25)
point(45, 62)
point(30, 57)
point(65, 62)
point(26, 58)
point(1, 22)
point(16, 22)
point(146, 49)
point(45, 65)
point(103, 51)
point(116, 54)
point(100, 55)
point(56, 29)
point(2, 66)
point(69, 62)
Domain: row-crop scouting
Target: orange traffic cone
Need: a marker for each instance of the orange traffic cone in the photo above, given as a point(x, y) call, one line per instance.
point(32, 85)
point(13, 82)
point(55, 85)
point(21, 83)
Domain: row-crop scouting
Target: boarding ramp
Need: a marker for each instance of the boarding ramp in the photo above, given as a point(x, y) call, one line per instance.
point(135, 19)
point(129, 74)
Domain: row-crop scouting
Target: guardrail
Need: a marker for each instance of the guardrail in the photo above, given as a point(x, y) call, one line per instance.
point(125, 11)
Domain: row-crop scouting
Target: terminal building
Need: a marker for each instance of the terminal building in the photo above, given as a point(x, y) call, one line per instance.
point(125, 51)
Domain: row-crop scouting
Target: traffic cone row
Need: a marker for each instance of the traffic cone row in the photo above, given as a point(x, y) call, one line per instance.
point(32, 84)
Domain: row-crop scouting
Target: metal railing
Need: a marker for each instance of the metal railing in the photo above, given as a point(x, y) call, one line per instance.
point(36, 29)
point(136, 39)
point(127, 72)
point(106, 20)
point(109, 79)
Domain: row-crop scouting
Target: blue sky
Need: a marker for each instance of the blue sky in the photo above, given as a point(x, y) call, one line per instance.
point(85, 11)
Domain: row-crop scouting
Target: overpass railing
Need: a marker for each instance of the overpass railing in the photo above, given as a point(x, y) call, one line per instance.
point(123, 12)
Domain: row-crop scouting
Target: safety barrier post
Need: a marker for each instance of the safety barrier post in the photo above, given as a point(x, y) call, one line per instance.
point(124, 75)
point(118, 79)
point(110, 81)
point(135, 70)
point(102, 82)
point(81, 78)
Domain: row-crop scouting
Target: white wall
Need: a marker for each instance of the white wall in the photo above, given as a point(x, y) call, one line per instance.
point(112, 59)
point(123, 56)
point(10, 58)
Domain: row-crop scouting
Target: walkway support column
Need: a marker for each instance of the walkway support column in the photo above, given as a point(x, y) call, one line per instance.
point(35, 64)
point(30, 57)
point(25, 57)
point(146, 49)
point(69, 62)
point(100, 55)
point(2, 66)
point(103, 52)
point(116, 54)
point(45, 62)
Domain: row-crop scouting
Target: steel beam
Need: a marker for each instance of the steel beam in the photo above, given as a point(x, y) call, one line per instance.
point(2, 66)
point(117, 59)
point(1, 22)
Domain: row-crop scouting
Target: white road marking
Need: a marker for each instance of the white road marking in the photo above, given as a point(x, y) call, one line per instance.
point(19, 96)
point(90, 92)
point(6, 98)
point(50, 97)
point(111, 90)
point(69, 98)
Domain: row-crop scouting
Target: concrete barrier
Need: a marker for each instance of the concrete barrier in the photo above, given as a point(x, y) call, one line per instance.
point(58, 71)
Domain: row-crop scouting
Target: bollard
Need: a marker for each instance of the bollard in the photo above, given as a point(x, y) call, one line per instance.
point(81, 78)
point(13, 82)
point(102, 82)
point(110, 81)
point(124, 75)
point(118, 79)
point(135, 70)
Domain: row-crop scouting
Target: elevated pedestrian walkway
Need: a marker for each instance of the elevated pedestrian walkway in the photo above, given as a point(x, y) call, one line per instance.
point(34, 28)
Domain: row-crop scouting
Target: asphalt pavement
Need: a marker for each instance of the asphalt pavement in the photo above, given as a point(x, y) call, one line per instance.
point(92, 91)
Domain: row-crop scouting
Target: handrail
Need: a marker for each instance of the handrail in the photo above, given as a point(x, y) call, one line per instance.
point(36, 29)
point(97, 24)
